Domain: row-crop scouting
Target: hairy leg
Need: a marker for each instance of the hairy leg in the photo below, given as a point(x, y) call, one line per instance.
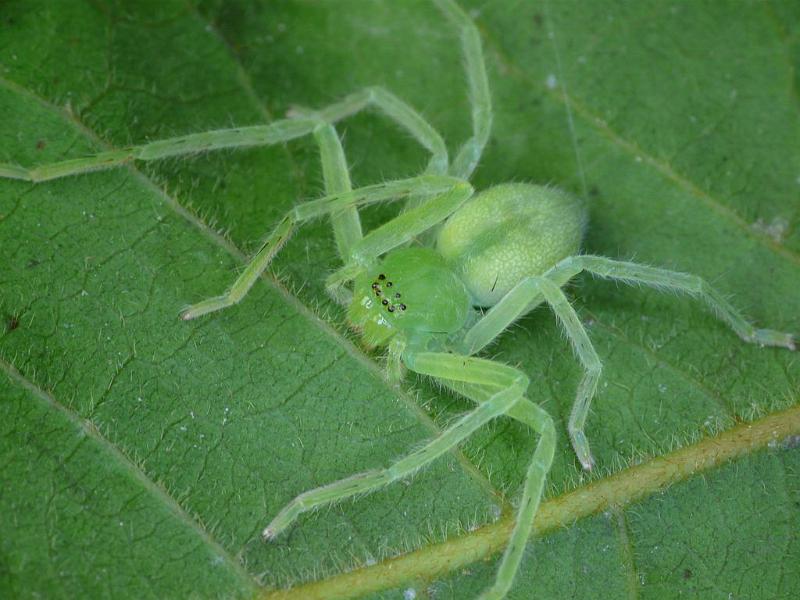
point(539, 421)
point(394, 233)
point(345, 222)
point(532, 291)
point(395, 109)
point(589, 360)
point(447, 191)
point(521, 299)
point(242, 137)
point(664, 279)
point(526, 296)
point(462, 374)
point(480, 98)
point(508, 386)
point(239, 137)
point(528, 293)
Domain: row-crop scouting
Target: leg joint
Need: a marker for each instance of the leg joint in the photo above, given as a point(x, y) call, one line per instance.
point(521, 382)
point(594, 367)
point(373, 92)
point(545, 425)
point(320, 122)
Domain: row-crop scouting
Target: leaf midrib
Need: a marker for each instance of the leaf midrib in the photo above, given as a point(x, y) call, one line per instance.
point(614, 492)
point(489, 539)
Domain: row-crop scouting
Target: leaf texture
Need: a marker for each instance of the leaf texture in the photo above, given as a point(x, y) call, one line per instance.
point(142, 455)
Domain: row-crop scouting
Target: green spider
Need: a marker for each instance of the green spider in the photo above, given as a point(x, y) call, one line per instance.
point(507, 249)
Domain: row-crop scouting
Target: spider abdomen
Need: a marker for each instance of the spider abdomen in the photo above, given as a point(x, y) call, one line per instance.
point(510, 232)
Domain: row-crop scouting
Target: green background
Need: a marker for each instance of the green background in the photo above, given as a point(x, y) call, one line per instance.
point(140, 456)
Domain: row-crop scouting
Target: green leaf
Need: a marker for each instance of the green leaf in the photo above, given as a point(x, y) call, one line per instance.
point(142, 455)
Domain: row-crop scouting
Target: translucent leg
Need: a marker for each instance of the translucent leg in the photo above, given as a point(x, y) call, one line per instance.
point(279, 236)
point(475, 372)
point(336, 283)
point(537, 419)
point(521, 299)
point(257, 135)
point(434, 185)
point(517, 302)
point(408, 225)
point(470, 153)
point(530, 292)
point(589, 360)
point(671, 280)
point(508, 390)
point(525, 296)
point(532, 491)
point(345, 222)
point(396, 232)
point(398, 111)
point(395, 369)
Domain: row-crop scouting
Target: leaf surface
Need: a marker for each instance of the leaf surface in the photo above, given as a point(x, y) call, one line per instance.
point(142, 455)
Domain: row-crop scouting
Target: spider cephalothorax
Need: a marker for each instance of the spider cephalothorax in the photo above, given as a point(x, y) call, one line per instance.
point(413, 291)
point(509, 249)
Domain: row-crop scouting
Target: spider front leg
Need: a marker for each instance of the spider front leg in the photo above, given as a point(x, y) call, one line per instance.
point(463, 375)
point(499, 390)
point(394, 233)
point(346, 222)
point(244, 137)
point(448, 193)
point(256, 135)
point(397, 110)
point(508, 386)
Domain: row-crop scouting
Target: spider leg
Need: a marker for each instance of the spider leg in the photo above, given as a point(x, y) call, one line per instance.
point(480, 98)
point(589, 360)
point(241, 137)
point(396, 232)
point(477, 378)
point(538, 420)
point(345, 222)
point(532, 291)
point(403, 115)
point(664, 279)
point(521, 299)
point(508, 386)
point(395, 109)
point(444, 188)
point(257, 135)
